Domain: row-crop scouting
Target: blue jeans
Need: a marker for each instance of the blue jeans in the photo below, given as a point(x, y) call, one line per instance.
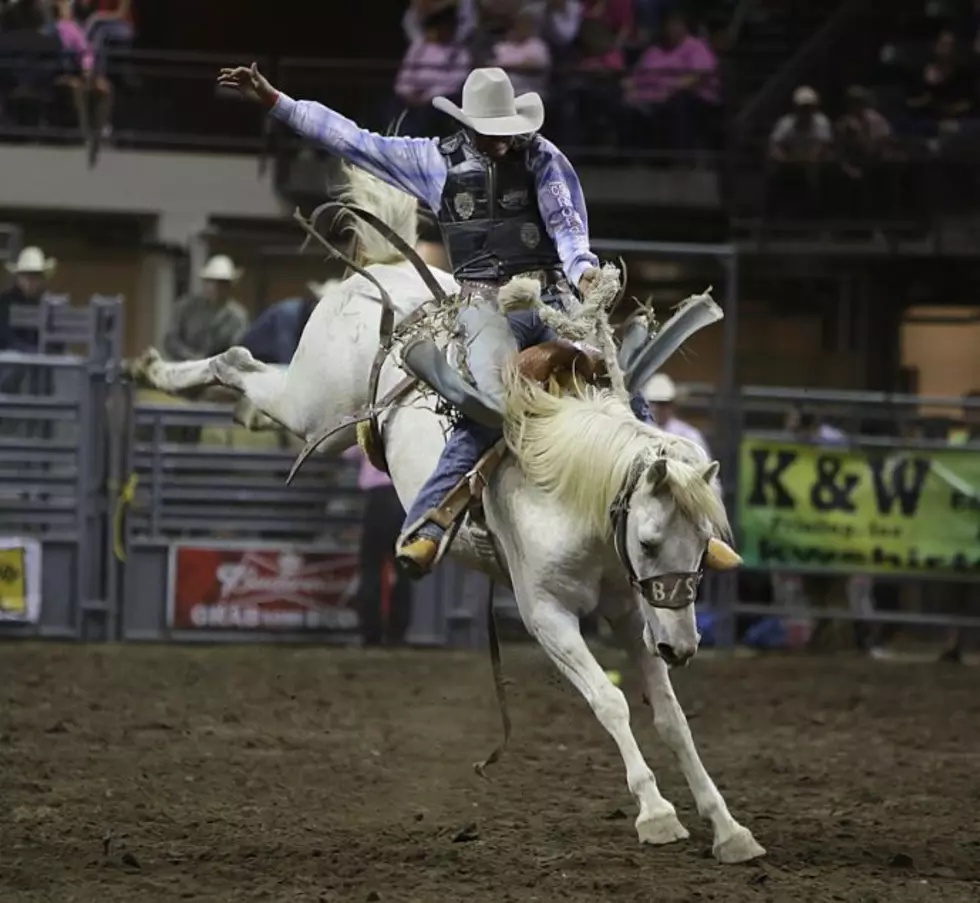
point(469, 441)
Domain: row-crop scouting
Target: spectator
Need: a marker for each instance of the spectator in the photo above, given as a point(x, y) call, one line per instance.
point(803, 135)
point(591, 100)
point(800, 141)
point(31, 273)
point(673, 87)
point(382, 521)
point(418, 11)
point(864, 141)
point(943, 93)
point(108, 22)
point(661, 393)
point(817, 590)
point(211, 322)
point(558, 21)
point(275, 334)
point(434, 65)
point(80, 77)
point(524, 56)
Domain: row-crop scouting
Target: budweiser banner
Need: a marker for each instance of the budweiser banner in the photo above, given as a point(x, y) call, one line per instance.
point(20, 580)
point(261, 587)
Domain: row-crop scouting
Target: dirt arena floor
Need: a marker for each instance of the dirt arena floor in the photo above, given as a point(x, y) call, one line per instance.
point(298, 774)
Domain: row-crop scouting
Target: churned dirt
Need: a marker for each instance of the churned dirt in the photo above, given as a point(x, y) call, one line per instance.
point(311, 774)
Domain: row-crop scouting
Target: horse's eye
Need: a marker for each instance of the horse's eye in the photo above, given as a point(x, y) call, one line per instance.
point(651, 548)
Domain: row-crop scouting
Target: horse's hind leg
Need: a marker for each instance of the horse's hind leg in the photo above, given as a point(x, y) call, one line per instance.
point(263, 385)
point(732, 841)
point(556, 628)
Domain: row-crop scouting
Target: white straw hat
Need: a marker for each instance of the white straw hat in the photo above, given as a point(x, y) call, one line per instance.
point(660, 389)
point(221, 269)
point(32, 260)
point(319, 289)
point(805, 96)
point(490, 107)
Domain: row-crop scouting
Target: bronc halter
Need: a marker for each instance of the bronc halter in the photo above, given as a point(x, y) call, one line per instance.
point(673, 591)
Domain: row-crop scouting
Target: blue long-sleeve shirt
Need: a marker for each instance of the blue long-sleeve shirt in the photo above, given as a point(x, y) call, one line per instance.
point(416, 166)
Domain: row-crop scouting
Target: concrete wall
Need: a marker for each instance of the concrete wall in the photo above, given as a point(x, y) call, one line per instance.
point(184, 190)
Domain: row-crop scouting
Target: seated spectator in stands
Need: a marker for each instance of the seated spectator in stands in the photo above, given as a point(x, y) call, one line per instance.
point(864, 140)
point(591, 96)
point(943, 94)
point(418, 11)
point(381, 524)
point(799, 142)
point(211, 322)
point(434, 65)
point(108, 23)
point(524, 56)
point(80, 73)
point(673, 87)
point(31, 273)
point(808, 427)
point(803, 135)
point(558, 22)
point(275, 334)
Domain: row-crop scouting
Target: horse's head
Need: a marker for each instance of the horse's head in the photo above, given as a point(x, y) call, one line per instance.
point(668, 524)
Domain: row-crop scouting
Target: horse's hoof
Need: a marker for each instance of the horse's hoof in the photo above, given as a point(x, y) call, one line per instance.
point(661, 829)
point(139, 368)
point(740, 846)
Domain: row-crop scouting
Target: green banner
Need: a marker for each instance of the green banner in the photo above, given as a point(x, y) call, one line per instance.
point(833, 508)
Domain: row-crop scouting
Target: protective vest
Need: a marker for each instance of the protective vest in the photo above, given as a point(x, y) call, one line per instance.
point(489, 214)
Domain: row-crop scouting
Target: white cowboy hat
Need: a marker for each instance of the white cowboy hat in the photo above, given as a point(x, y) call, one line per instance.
point(805, 96)
point(220, 269)
point(490, 108)
point(32, 260)
point(319, 289)
point(660, 389)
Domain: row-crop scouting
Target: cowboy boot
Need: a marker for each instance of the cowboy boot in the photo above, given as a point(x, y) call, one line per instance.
point(425, 361)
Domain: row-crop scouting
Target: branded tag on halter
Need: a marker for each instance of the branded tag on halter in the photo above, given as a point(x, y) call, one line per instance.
point(673, 591)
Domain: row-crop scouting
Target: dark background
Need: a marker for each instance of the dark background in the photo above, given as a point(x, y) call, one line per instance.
point(338, 29)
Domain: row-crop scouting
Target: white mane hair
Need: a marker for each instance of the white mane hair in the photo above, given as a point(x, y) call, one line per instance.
point(541, 429)
point(391, 205)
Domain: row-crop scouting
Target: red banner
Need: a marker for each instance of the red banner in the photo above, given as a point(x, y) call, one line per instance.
point(249, 587)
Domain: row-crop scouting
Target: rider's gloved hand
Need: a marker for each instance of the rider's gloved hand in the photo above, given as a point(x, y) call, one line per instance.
point(250, 83)
point(589, 278)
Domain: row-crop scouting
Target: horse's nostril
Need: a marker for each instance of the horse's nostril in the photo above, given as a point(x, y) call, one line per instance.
point(666, 652)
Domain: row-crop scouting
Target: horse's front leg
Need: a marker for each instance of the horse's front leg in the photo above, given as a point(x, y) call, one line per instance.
point(556, 628)
point(732, 841)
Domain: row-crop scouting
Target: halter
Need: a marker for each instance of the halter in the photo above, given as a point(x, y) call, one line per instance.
point(671, 591)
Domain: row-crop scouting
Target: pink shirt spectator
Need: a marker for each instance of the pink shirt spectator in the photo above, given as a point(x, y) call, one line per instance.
point(74, 39)
point(431, 69)
point(511, 55)
point(660, 72)
point(369, 477)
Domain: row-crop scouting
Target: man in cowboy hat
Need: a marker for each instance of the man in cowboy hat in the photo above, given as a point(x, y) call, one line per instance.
point(31, 272)
point(211, 322)
point(507, 201)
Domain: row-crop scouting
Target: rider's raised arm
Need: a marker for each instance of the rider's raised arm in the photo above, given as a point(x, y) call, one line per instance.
point(562, 207)
point(412, 164)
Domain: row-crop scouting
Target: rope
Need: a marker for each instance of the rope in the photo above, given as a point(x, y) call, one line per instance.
point(126, 497)
point(499, 687)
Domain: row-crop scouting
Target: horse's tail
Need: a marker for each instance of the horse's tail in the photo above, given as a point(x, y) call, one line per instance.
point(392, 205)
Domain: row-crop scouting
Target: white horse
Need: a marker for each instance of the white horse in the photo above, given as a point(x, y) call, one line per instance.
point(547, 506)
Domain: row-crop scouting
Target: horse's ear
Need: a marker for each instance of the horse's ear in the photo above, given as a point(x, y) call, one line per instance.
point(710, 471)
point(657, 474)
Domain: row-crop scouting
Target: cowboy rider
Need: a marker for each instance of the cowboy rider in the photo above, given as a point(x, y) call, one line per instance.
point(508, 203)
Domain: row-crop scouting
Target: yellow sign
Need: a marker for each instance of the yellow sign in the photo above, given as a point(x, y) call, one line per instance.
point(835, 508)
point(13, 583)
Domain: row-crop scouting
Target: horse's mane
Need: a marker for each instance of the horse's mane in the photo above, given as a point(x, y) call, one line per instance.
point(389, 204)
point(581, 448)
